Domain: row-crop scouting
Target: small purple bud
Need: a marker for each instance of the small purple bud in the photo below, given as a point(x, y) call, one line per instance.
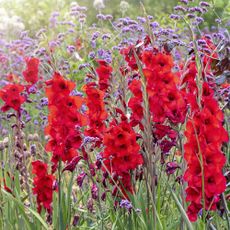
point(204, 4)
point(198, 9)
point(76, 93)
point(141, 19)
point(90, 205)
point(28, 118)
point(92, 170)
point(207, 51)
point(100, 52)
point(218, 21)
point(94, 192)
point(76, 220)
point(70, 49)
point(150, 17)
point(36, 122)
point(60, 35)
point(184, 1)
point(95, 35)
point(81, 178)
point(192, 10)
point(201, 42)
point(199, 20)
point(171, 167)
point(207, 36)
point(105, 36)
point(33, 89)
point(126, 204)
point(44, 101)
point(180, 8)
point(154, 25)
point(92, 55)
point(175, 16)
point(100, 16)
point(103, 196)
point(33, 149)
point(93, 44)
point(108, 17)
point(191, 15)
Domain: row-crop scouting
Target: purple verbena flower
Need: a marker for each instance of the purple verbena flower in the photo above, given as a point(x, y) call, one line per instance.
point(218, 21)
point(198, 9)
point(180, 8)
point(154, 25)
point(174, 16)
point(204, 4)
point(184, 1)
point(126, 204)
point(199, 20)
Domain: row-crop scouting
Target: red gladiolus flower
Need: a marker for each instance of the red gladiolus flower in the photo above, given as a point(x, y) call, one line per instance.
point(205, 135)
point(96, 112)
point(129, 57)
point(64, 118)
point(11, 95)
point(166, 102)
point(121, 152)
point(104, 72)
point(43, 186)
point(159, 62)
point(31, 73)
point(39, 168)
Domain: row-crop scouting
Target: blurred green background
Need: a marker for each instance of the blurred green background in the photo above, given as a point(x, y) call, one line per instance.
point(35, 14)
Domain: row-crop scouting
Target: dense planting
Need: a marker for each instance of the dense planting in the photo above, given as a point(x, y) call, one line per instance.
point(122, 124)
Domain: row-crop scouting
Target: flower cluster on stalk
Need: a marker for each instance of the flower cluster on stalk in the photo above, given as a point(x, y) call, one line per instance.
point(121, 154)
point(43, 186)
point(65, 119)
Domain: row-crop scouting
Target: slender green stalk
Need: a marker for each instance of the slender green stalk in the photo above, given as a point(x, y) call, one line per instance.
point(202, 173)
point(148, 139)
point(183, 213)
point(226, 209)
point(60, 215)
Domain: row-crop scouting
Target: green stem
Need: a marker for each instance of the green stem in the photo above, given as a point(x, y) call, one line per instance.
point(202, 173)
point(226, 210)
point(60, 216)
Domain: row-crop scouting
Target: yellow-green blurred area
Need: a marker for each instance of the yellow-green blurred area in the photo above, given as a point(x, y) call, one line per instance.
point(34, 14)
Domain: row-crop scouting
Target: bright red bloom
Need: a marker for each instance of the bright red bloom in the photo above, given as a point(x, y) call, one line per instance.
point(205, 135)
point(165, 99)
point(11, 95)
point(128, 53)
point(135, 88)
point(167, 103)
point(135, 103)
point(64, 118)
point(160, 62)
point(39, 168)
point(31, 72)
point(104, 71)
point(58, 86)
point(121, 152)
point(96, 112)
point(192, 211)
point(43, 186)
